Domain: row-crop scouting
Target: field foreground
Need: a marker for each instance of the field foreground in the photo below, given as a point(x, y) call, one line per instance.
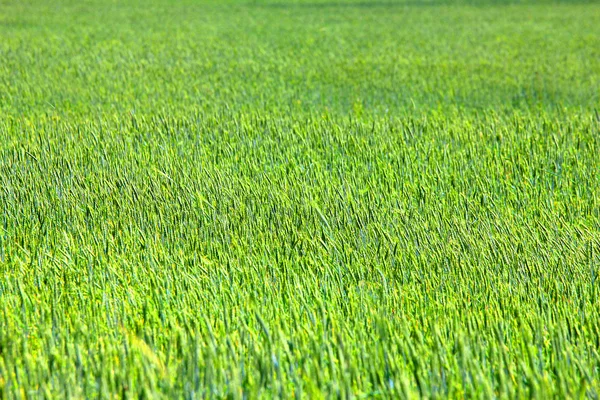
point(303, 199)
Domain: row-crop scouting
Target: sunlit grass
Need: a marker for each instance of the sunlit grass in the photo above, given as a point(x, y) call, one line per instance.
point(279, 199)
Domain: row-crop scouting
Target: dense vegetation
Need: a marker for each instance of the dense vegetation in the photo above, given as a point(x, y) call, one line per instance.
point(310, 199)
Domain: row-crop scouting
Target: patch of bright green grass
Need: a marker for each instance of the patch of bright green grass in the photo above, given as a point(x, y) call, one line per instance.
point(310, 199)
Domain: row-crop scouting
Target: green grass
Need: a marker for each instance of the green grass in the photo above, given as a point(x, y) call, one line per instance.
point(320, 199)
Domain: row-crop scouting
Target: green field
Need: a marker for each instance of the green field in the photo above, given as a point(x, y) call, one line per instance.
point(309, 199)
